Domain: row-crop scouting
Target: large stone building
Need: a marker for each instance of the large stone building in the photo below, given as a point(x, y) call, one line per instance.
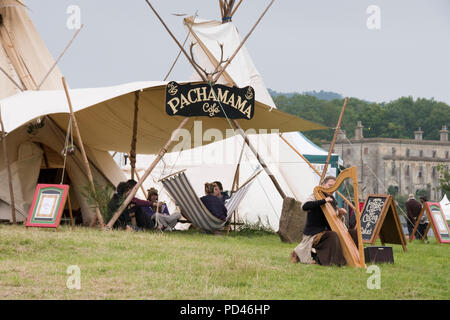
point(404, 165)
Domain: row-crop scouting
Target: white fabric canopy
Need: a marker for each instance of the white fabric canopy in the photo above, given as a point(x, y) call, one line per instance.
point(445, 205)
point(29, 105)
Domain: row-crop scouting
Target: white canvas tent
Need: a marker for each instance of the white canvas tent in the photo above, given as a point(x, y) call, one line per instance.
point(445, 205)
point(105, 119)
point(26, 60)
point(218, 161)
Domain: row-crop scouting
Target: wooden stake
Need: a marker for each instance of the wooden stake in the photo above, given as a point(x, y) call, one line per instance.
point(83, 152)
point(8, 168)
point(242, 43)
point(133, 191)
point(132, 154)
point(324, 172)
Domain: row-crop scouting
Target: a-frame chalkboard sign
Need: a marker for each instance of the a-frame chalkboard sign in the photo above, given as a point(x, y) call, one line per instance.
point(379, 218)
point(436, 220)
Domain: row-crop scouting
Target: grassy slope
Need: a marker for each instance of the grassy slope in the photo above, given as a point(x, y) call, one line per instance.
point(120, 265)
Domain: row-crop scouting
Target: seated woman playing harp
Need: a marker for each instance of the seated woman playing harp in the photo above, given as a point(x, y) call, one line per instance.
point(319, 244)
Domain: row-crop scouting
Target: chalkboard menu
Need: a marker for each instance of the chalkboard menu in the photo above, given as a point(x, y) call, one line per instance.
point(379, 218)
point(370, 215)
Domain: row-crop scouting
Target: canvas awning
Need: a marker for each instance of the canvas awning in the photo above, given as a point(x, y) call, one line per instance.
point(105, 116)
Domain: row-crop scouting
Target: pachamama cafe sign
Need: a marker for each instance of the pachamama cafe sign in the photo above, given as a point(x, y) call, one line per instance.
point(202, 99)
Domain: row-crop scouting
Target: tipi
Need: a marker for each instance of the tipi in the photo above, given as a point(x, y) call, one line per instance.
point(34, 149)
point(217, 161)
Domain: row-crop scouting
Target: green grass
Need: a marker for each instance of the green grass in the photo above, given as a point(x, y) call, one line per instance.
point(192, 265)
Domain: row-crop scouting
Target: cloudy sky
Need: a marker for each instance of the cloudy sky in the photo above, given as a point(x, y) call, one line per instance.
point(299, 45)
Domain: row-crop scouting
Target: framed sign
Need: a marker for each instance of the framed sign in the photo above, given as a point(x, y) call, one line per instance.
point(48, 205)
point(379, 218)
point(436, 220)
point(204, 100)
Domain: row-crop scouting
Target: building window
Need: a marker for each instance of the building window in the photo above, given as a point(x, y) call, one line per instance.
point(407, 152)
point(446, 154)
point(393, 151)
point(434, 153)
point(433, 172)
point(407, 170)
point(349, 152)
point(420, 172)
point(393, 169)
point(366, 150)
point(421, 153)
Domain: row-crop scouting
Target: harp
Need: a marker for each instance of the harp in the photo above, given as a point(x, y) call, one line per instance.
point(353, 255)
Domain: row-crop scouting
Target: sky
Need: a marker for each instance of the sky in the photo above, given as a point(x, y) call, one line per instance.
point(400, 49)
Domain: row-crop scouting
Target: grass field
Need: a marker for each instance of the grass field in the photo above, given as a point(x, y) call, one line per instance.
point(192, 265)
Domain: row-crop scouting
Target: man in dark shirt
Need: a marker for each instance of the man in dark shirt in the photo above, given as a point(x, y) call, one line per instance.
point(213, 203)
point(219, 192)
point(320, 244)
point(413, 208)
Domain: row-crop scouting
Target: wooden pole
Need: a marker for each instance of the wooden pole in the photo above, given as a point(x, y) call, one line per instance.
point(11, 79)
point(59, 58)
point(261, 160)
point(315, 170)
point(83, 152)
point(221, 7)
point(235, 184)
point(132, 154)
point(142, 187)
point(70, 211)
point(234, 11)
point(8, 168)
point(241, 132)
point(242, 43)
point(324, 172)
point(133, 191)
point(177, 42)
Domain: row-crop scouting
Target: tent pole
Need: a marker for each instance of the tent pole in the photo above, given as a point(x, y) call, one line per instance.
point(175, 39)
point(59, 58)
point(8, 167)
point(242, 42)
point(315, 170)
point(83, 152)
point(139, 178)
point(258, 157)
point(72, 222)
point(133, 139)
point(133, 191)
point(236, 174)
point(324, 172)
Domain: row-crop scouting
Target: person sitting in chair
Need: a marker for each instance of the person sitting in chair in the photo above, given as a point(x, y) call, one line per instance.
point(213, 203)
point(160, 212)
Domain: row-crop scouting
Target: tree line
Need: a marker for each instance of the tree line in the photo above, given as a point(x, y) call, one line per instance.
point(394, 119)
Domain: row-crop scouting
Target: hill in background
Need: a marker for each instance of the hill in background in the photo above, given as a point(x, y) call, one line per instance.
point(322, 95)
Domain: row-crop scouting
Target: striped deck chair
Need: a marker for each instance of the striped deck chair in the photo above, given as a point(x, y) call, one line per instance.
point(180, 189)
